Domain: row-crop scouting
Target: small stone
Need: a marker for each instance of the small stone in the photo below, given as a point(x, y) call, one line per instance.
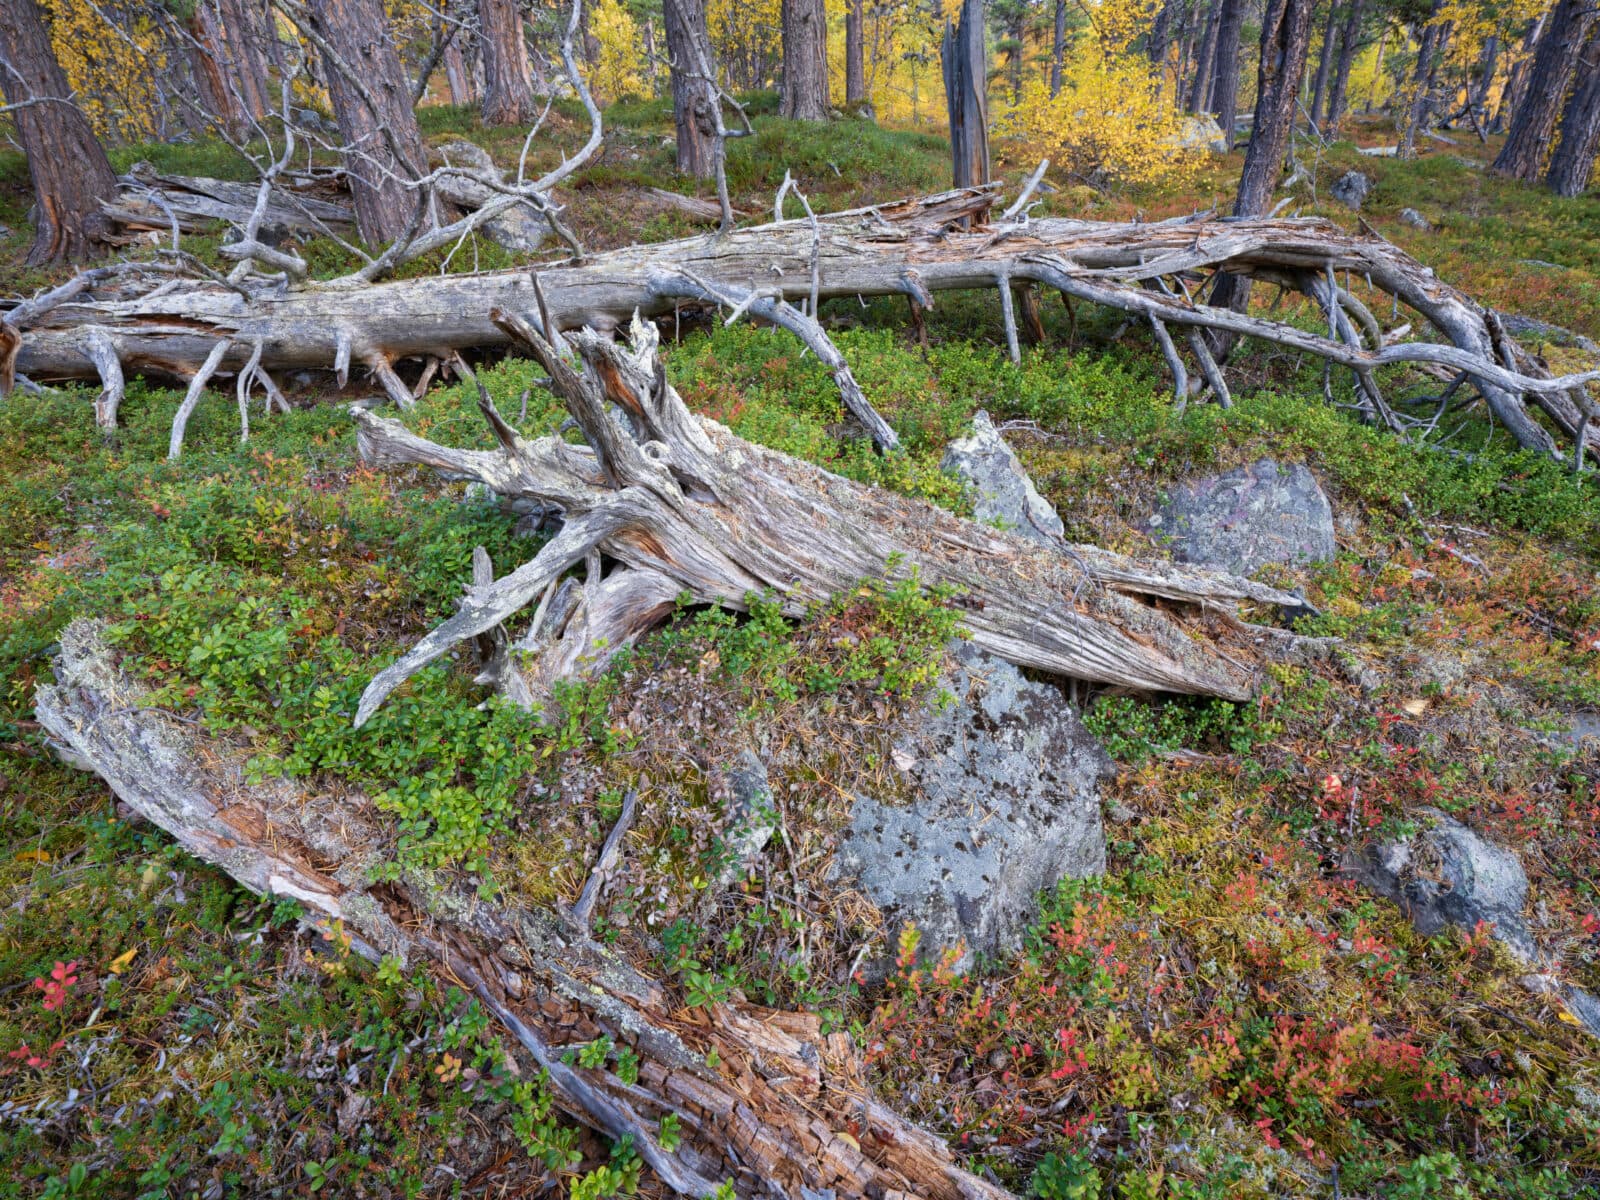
point(1351, 189)
point(1411, 217)
point(1005, 494)
point(752, 817)
point(1478, 882)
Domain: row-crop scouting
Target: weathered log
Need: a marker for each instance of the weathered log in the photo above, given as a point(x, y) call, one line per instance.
point(762, 1097)
point(690, 508)
point(911, 248)
point(194, 198)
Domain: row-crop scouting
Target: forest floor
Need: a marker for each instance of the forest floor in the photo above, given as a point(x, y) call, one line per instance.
point(1221, 1014)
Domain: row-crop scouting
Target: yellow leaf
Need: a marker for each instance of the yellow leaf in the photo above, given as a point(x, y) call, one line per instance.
point(1568, 1017)
point(1416, 707)
point(42, 856)
point(119, 964)
point(848, 1140)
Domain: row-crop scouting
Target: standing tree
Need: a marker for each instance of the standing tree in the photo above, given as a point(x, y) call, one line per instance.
point(1198, 99)
point(1573, 162)
point(1058, 46)
point(855, 66)
point(1428, 55)
point(805, 60)
point(694, 92)
point(1285, 40)
point(966, 93)
point(507, 87)
point(207, 65)
point(371, 99)
point(1554, 58)
point(1225, 82)
point(70, 173)
point(1325, 56)
point(1349, 43)
point(246, 27)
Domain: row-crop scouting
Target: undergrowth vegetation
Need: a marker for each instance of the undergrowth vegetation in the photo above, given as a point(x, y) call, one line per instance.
point(1221, 1014)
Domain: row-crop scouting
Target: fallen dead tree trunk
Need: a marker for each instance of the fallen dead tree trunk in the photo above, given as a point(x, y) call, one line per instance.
point(153, 201)
point(762, 1097)
point(684, 506)
point(1154, 272)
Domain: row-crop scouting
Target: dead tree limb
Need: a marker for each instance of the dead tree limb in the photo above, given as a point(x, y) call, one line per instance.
point(877, 251)
point(763, 1098)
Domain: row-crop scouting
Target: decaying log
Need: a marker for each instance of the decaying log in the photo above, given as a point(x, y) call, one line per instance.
point(192, 199)
point(687, 507)
point(762, 1097)
point(913, 248)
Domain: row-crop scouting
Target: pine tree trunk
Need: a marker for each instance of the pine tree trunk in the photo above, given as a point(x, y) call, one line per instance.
point(855, 67)
point(207, 55)
point(457, 74)
point(693, 95)
point(1199, 99)
point(1573, 162)
point(1349, 43)
point(1058, 47)
point(507, 85)
point(1016, 35)
point(1225, 85)
point(1285, 41)
point(245, 27)
point(1422, 84)
point(805, 60)
point(1517, 79)
point(1324, 66)
point(371, 99)
point(67, 165)
point(1155, 47)
point(1486, 68)
point(1188, 38)
point(966, 90)
point(1554, 59)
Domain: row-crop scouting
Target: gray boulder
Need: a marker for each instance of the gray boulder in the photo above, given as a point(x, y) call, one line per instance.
point(1245, 519)
point(1411, 217)
point(1448, 875)
point(519, 228)
point(1351, 189)
point(1004, 492)
point(1007, 802)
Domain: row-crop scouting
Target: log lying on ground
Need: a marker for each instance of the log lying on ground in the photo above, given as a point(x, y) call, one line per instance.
point(152, 201)
point(663, 493)
point(1155, 272)
point(762, 1097)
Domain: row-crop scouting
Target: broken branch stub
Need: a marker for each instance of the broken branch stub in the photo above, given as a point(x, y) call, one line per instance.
point(694, 509)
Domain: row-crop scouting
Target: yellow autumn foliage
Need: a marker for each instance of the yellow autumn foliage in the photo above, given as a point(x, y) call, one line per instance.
point(1111, 121)
point(110, 66)
point(615, 72)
